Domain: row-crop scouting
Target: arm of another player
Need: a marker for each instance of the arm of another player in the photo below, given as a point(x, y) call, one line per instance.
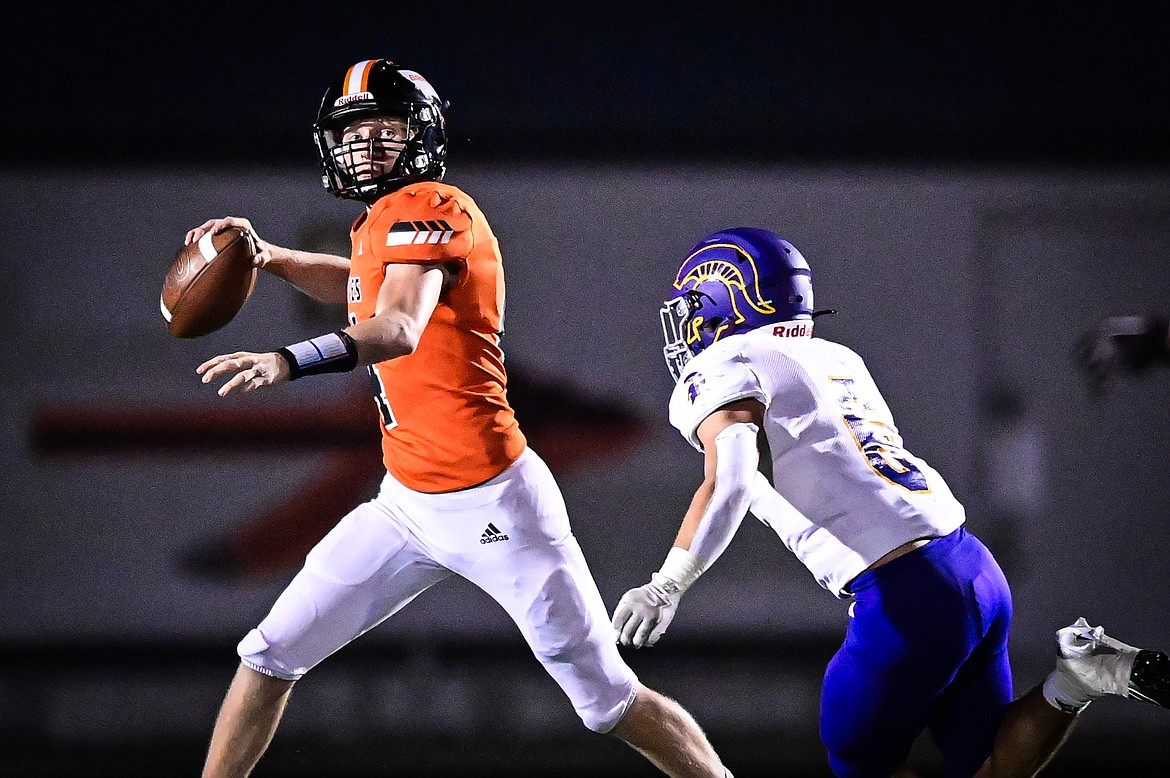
point(731, 458)
point(323, 277)
point(405, 303)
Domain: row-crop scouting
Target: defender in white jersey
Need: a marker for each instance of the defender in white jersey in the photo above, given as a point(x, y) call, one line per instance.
point(931, 609)
point(837, 457)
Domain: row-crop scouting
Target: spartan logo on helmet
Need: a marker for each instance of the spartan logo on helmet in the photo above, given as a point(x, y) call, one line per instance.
point(733, 281)
point(709, 266)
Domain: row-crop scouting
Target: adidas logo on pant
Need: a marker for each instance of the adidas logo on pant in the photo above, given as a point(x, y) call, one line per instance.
point(492, 535)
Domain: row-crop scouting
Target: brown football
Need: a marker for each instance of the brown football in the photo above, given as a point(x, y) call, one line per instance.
point(208, 283)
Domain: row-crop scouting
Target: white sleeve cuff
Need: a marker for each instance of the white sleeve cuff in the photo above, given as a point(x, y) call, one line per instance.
point(682, 567)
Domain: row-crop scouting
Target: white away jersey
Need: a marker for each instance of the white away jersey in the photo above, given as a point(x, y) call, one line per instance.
point(846, 491)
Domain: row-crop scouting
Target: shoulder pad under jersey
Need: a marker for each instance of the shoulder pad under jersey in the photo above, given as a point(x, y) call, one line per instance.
point(706, 386)
point(425, 222)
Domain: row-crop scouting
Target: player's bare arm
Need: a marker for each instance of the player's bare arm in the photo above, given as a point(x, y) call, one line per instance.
point(321, 276)
point(406, 301)
point(740, 412)
point(405, 304)
point(729, 438)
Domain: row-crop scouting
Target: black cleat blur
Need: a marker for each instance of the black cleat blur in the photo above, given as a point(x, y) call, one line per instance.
point(1149, 680)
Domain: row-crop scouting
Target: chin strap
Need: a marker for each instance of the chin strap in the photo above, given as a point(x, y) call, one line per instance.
point(824, 312)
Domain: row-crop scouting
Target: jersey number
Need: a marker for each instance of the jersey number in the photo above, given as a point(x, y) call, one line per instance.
point(880, 445)
point(379, 389)
point(380, 398)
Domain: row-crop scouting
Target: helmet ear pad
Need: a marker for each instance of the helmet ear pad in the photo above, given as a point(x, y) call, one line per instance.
point(712, 315)
point(433, 140)
point(434, 136)
point(799, 298)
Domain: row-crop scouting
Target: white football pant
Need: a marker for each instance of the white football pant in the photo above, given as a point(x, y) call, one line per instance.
point(510, 537)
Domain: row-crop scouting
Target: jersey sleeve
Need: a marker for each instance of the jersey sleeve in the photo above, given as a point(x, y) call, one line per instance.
point(423, 224)
point(704, 389)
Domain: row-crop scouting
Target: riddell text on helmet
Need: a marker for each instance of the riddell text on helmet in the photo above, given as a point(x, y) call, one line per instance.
point(797, 330)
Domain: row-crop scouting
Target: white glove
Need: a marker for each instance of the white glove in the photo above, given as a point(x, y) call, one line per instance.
point(643, 614)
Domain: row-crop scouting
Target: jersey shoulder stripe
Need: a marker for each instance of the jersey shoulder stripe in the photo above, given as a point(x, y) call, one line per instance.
point(406, 233)
point(427, 222)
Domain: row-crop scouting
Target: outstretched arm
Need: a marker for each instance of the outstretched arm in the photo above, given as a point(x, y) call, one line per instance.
point(729, 438)
point(321, 276)
point(405, 303)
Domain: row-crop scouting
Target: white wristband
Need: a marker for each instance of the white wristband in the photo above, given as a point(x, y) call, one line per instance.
point(681, 568)
point(334, 352)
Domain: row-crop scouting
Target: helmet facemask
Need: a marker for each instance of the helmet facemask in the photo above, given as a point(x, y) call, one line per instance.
point(675, 315)
point(348, 163)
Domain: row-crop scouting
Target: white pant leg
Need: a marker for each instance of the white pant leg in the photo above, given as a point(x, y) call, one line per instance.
point(511, 537)
point(549, 592)
point(367, 568)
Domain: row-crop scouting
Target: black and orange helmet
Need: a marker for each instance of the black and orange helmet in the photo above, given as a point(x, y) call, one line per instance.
point(381, 88)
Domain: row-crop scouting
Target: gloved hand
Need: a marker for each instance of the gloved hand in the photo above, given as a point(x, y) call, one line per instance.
point(1120, 344)
point(643, 614)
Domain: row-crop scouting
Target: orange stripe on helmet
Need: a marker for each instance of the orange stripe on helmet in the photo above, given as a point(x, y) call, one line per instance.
point(358, 77)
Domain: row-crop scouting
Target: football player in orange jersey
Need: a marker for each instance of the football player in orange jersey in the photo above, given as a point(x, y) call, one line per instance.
point(463, 494)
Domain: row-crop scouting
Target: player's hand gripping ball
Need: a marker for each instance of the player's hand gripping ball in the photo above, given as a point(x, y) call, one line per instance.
point(208, 282)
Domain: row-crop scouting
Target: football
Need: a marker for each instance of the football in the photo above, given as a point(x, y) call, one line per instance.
point(208, 283)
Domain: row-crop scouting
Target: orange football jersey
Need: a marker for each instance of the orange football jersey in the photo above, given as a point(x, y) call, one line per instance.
point(446, 421)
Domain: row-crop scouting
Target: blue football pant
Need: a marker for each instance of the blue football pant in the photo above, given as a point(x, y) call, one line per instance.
point(926, 648)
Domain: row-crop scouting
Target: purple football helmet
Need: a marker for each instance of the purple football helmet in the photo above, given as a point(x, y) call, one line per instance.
point(733, 281)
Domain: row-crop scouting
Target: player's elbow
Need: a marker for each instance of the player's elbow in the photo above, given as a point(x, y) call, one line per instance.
point(737, 496)
point(741, 494)
point(729, 493)
point(393, 336)
point(406, 339)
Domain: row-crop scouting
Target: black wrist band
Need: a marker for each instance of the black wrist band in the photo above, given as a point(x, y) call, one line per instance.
point(332, 353)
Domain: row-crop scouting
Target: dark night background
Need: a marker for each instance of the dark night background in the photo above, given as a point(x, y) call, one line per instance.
point(975, 182)
point(831, 82)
